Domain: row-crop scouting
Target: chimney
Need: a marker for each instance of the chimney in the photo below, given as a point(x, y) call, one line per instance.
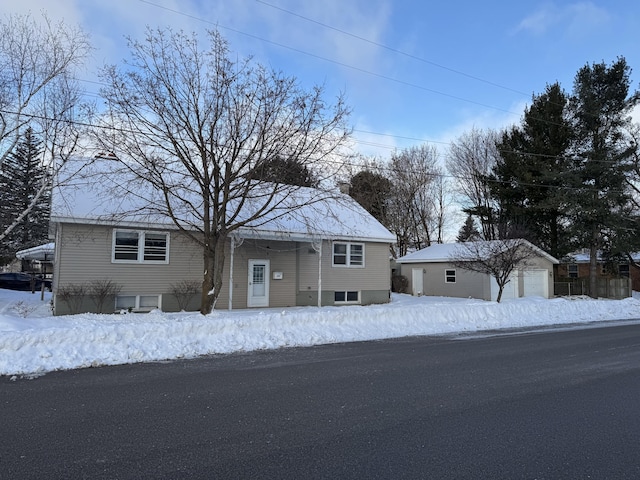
point(344, 187)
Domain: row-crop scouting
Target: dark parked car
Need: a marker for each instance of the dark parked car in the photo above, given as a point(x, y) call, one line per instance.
point(22, 281)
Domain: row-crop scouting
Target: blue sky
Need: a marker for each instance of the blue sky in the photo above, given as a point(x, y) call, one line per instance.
point(413, 71)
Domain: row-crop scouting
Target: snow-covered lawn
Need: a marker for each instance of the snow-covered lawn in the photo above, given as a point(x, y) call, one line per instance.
point(33, 342)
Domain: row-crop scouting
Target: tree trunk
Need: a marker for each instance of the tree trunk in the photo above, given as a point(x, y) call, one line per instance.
point(593, 269)
point(214, 256)
point(206, 302)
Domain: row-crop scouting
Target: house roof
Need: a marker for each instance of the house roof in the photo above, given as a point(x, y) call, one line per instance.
point(585, 257)
point(294, 213)
point(444, 252)
point(40, 253)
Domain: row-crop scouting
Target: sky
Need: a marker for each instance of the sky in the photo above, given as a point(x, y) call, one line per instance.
point(413, 72)
point(32, 342)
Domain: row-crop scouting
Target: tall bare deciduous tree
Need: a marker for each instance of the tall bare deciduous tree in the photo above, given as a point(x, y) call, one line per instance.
point(471, 159)
point(192, 123)
point(416, 210)
point(496, 258)
point(38, 91)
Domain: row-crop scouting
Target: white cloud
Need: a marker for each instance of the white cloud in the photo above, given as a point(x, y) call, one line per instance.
point(575, 19)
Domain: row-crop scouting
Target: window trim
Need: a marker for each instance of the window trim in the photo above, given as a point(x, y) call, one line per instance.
point(573, 270)
point(348, 254)
point(140, 254)
point(137, 307)
point(346, 296)
point(448, 276)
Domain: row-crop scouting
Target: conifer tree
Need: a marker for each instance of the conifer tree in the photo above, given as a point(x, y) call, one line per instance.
point(21, 177)
point(468, 232)
point(601, 105)
point(533, 170)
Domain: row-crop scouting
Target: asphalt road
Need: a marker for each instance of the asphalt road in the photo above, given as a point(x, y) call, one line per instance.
point(545, 405)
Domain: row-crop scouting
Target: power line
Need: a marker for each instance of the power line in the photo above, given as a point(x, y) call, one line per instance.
point(341, 64)
point(394, 50)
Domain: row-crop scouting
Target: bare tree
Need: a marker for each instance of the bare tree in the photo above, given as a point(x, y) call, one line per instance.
point(471, 160)
point(414, 214)
point(497, 258)
point(37, 90)
point(192, 124)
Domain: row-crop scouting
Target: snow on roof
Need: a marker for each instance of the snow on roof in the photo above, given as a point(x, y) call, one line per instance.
point(585, 257)
point(444, 252)
point(294, 213)
point(39, 252)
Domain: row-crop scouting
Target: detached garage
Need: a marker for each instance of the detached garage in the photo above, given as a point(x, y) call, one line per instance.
point(431, 271)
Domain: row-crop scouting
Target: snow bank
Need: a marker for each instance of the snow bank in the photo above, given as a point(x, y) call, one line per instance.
point(34, 342)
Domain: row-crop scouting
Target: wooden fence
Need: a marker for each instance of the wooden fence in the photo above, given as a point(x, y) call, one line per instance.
point(607, 287)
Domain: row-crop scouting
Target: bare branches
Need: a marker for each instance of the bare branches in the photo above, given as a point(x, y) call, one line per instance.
point(37, 92)
point(199, 125)
point(496, 258)
point(33, 56)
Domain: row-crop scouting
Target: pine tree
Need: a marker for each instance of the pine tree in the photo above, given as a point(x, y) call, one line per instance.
point(532, 171)
point(600, 107)
point(468, 232)
point(21, 178)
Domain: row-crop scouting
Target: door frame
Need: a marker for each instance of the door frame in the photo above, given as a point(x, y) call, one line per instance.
point(261, 301)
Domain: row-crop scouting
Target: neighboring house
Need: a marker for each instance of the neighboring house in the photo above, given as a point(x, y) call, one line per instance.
point(574, 270)
point(430, 271)
point(329, 252)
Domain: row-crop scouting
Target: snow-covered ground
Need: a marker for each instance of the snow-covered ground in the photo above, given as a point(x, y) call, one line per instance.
point(33, 342)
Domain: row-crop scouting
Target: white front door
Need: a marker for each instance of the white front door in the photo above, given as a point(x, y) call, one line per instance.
point(258, 292)
point(416, 282)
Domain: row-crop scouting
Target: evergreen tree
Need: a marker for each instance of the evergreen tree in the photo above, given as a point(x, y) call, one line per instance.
point(372, 191)
point(21, 177)
point(468, 232)
point(600, 107)
point(532, 171)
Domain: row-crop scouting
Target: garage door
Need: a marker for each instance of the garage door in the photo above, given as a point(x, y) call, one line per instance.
point(535, 283)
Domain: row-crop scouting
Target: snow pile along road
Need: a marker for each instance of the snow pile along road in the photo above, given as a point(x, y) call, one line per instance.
point(34, 342)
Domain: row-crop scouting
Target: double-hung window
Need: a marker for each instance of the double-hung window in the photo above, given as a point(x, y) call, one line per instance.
point(450, 276)
point(134, 246)
point(572, 270)
point(347, 254)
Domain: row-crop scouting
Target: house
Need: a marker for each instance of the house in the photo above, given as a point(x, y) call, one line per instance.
point(572, 275)
point(329, 251)
point(431, 271)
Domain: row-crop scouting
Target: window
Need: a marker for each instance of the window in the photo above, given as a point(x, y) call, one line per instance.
point(131, 246)
point(449, 276)
point(348, 254)
point(623, 269)
point(572, 270)
point(346, 297)
point(138, 303)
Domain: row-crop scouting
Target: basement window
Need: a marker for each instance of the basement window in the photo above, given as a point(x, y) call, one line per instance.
point(138, 303)
point(346, 297)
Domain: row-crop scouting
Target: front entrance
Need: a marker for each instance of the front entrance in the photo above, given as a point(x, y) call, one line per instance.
point(258, 288)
